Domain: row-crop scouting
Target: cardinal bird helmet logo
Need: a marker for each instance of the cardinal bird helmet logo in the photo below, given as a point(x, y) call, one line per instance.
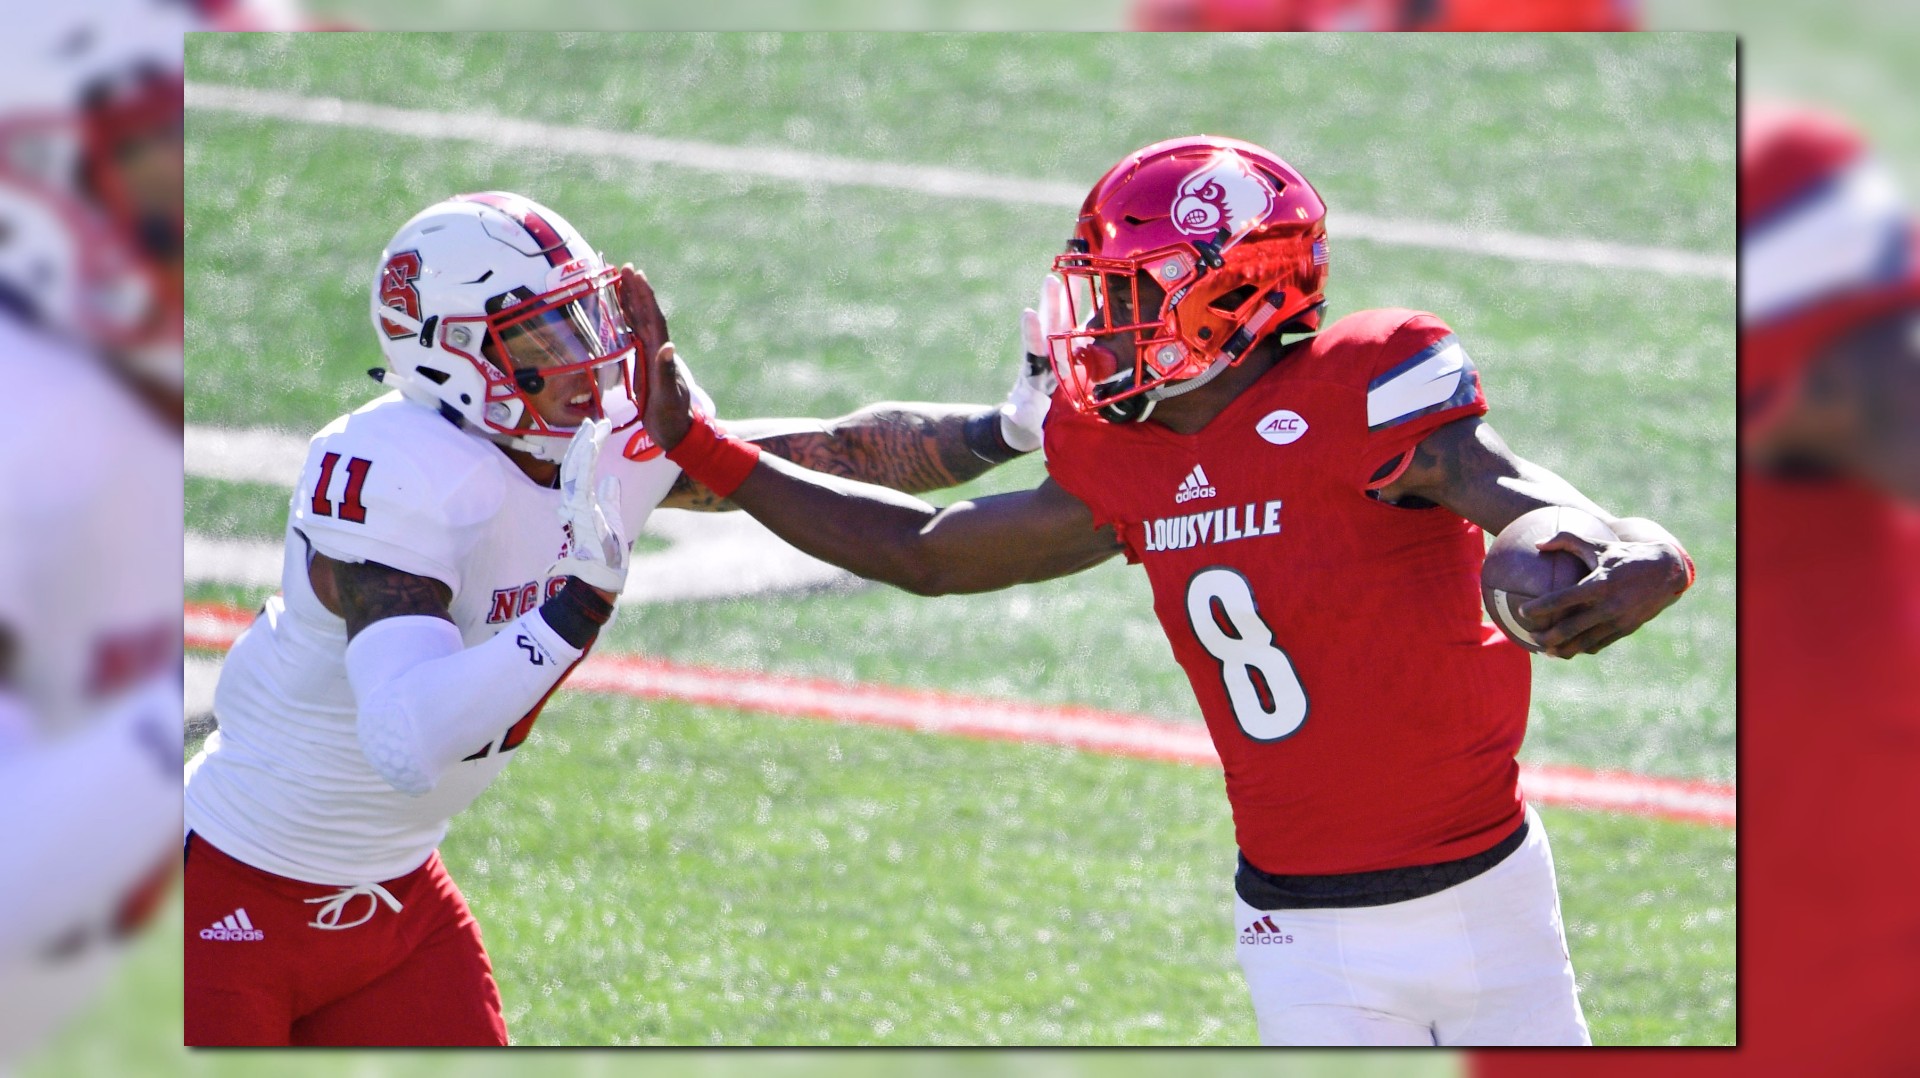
point(1226, 193)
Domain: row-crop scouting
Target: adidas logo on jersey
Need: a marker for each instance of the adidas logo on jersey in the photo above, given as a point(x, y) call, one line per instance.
point(1195, 485)
point(234, 926)
point(1264, 932)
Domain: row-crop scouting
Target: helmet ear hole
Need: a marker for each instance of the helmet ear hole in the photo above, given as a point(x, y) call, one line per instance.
point(437, 377)
point(1307, 321)
point(1229, 303)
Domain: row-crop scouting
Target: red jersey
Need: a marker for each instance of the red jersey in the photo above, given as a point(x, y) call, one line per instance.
point(1829, 746)
point(1347, 15)
point(1366, 716)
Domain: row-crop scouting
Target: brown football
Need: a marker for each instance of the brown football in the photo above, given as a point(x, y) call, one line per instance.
point(1515, 571)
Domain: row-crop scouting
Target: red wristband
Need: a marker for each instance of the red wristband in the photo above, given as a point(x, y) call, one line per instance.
point(1687, 560)
point(719, 462)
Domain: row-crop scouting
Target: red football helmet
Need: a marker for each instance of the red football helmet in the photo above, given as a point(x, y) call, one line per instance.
point(1223, 242)
point(1445, 16)
point(1827, 245)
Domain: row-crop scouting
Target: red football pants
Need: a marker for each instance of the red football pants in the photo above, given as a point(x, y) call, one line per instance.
point(259, 971)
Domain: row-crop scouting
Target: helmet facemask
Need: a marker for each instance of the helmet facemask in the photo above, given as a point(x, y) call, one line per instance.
point(1166, 322)
point(132, 164)
point(570, 348)
point(109, 170)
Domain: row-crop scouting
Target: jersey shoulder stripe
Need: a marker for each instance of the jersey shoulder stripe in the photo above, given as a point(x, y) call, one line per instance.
point(1438, 377)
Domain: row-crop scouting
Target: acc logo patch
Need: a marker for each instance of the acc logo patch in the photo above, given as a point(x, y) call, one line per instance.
point(1227, 194)
point(1281, 427)
point(642, 446)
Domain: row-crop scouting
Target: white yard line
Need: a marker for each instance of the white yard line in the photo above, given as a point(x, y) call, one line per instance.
point(709, 556)
point(245, 455)
point(822, 169)
point(211, 627)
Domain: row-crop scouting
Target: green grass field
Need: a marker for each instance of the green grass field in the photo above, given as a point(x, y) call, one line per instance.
point(667, 874)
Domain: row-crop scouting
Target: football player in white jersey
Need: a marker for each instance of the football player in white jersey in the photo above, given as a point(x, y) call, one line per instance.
point(452, 549)
point(90, 632)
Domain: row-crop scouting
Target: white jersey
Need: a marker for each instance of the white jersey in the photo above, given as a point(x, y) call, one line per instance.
point(90, 592)
point(282, 784)
point(90, 547)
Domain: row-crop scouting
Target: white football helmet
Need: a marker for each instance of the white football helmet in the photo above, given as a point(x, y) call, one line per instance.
point(90, 142)
point(62, 270)
point(484, 299)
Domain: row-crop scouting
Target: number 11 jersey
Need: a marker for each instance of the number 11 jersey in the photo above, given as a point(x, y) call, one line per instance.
point(283, 784)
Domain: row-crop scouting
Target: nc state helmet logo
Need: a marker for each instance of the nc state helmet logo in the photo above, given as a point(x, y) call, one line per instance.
point(1225, 194)
point(397, 291)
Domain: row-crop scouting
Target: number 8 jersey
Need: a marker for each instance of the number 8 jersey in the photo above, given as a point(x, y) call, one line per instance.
point(1365, 715)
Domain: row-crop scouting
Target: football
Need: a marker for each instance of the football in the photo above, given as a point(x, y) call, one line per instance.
point(1516, 571)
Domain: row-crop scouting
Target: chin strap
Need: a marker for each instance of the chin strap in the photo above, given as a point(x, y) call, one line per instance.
point(1175, 389)
point(550, 448)
point(1131, 410)
point(1137, 408)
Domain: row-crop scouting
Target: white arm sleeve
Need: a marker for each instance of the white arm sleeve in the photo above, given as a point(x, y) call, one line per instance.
point(91, 812)
point(426, 702)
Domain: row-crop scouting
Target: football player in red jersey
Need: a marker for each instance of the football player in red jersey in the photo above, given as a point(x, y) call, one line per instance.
point(1418, 15)
point(1310, 518)
point(1829, 611)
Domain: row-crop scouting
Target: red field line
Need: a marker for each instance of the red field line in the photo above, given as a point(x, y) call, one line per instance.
point(213, 627)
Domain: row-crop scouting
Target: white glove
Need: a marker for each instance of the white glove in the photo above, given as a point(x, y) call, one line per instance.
point(596, 551)
point(1025, 409)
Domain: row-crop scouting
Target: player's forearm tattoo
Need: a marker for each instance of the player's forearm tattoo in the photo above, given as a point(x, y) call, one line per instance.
point(687, 494)
point(909, 447)
point(369, 591)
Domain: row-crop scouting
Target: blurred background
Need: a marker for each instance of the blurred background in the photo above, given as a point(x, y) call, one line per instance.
point(1848, 55)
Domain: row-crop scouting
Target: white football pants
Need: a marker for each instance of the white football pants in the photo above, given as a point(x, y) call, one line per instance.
point(1481, 963)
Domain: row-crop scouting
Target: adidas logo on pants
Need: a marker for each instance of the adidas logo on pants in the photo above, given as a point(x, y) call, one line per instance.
point(234, 926)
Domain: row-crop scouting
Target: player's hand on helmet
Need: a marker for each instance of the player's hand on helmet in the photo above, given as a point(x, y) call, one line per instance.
point(656, 367)
point(669, 412)
point(642, 310)
point(1627, 584)
point(597, 553)
point(1025, 409)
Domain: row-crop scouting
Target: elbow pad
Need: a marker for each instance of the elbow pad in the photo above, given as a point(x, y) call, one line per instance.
point(426, 702)
point(93, 809)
